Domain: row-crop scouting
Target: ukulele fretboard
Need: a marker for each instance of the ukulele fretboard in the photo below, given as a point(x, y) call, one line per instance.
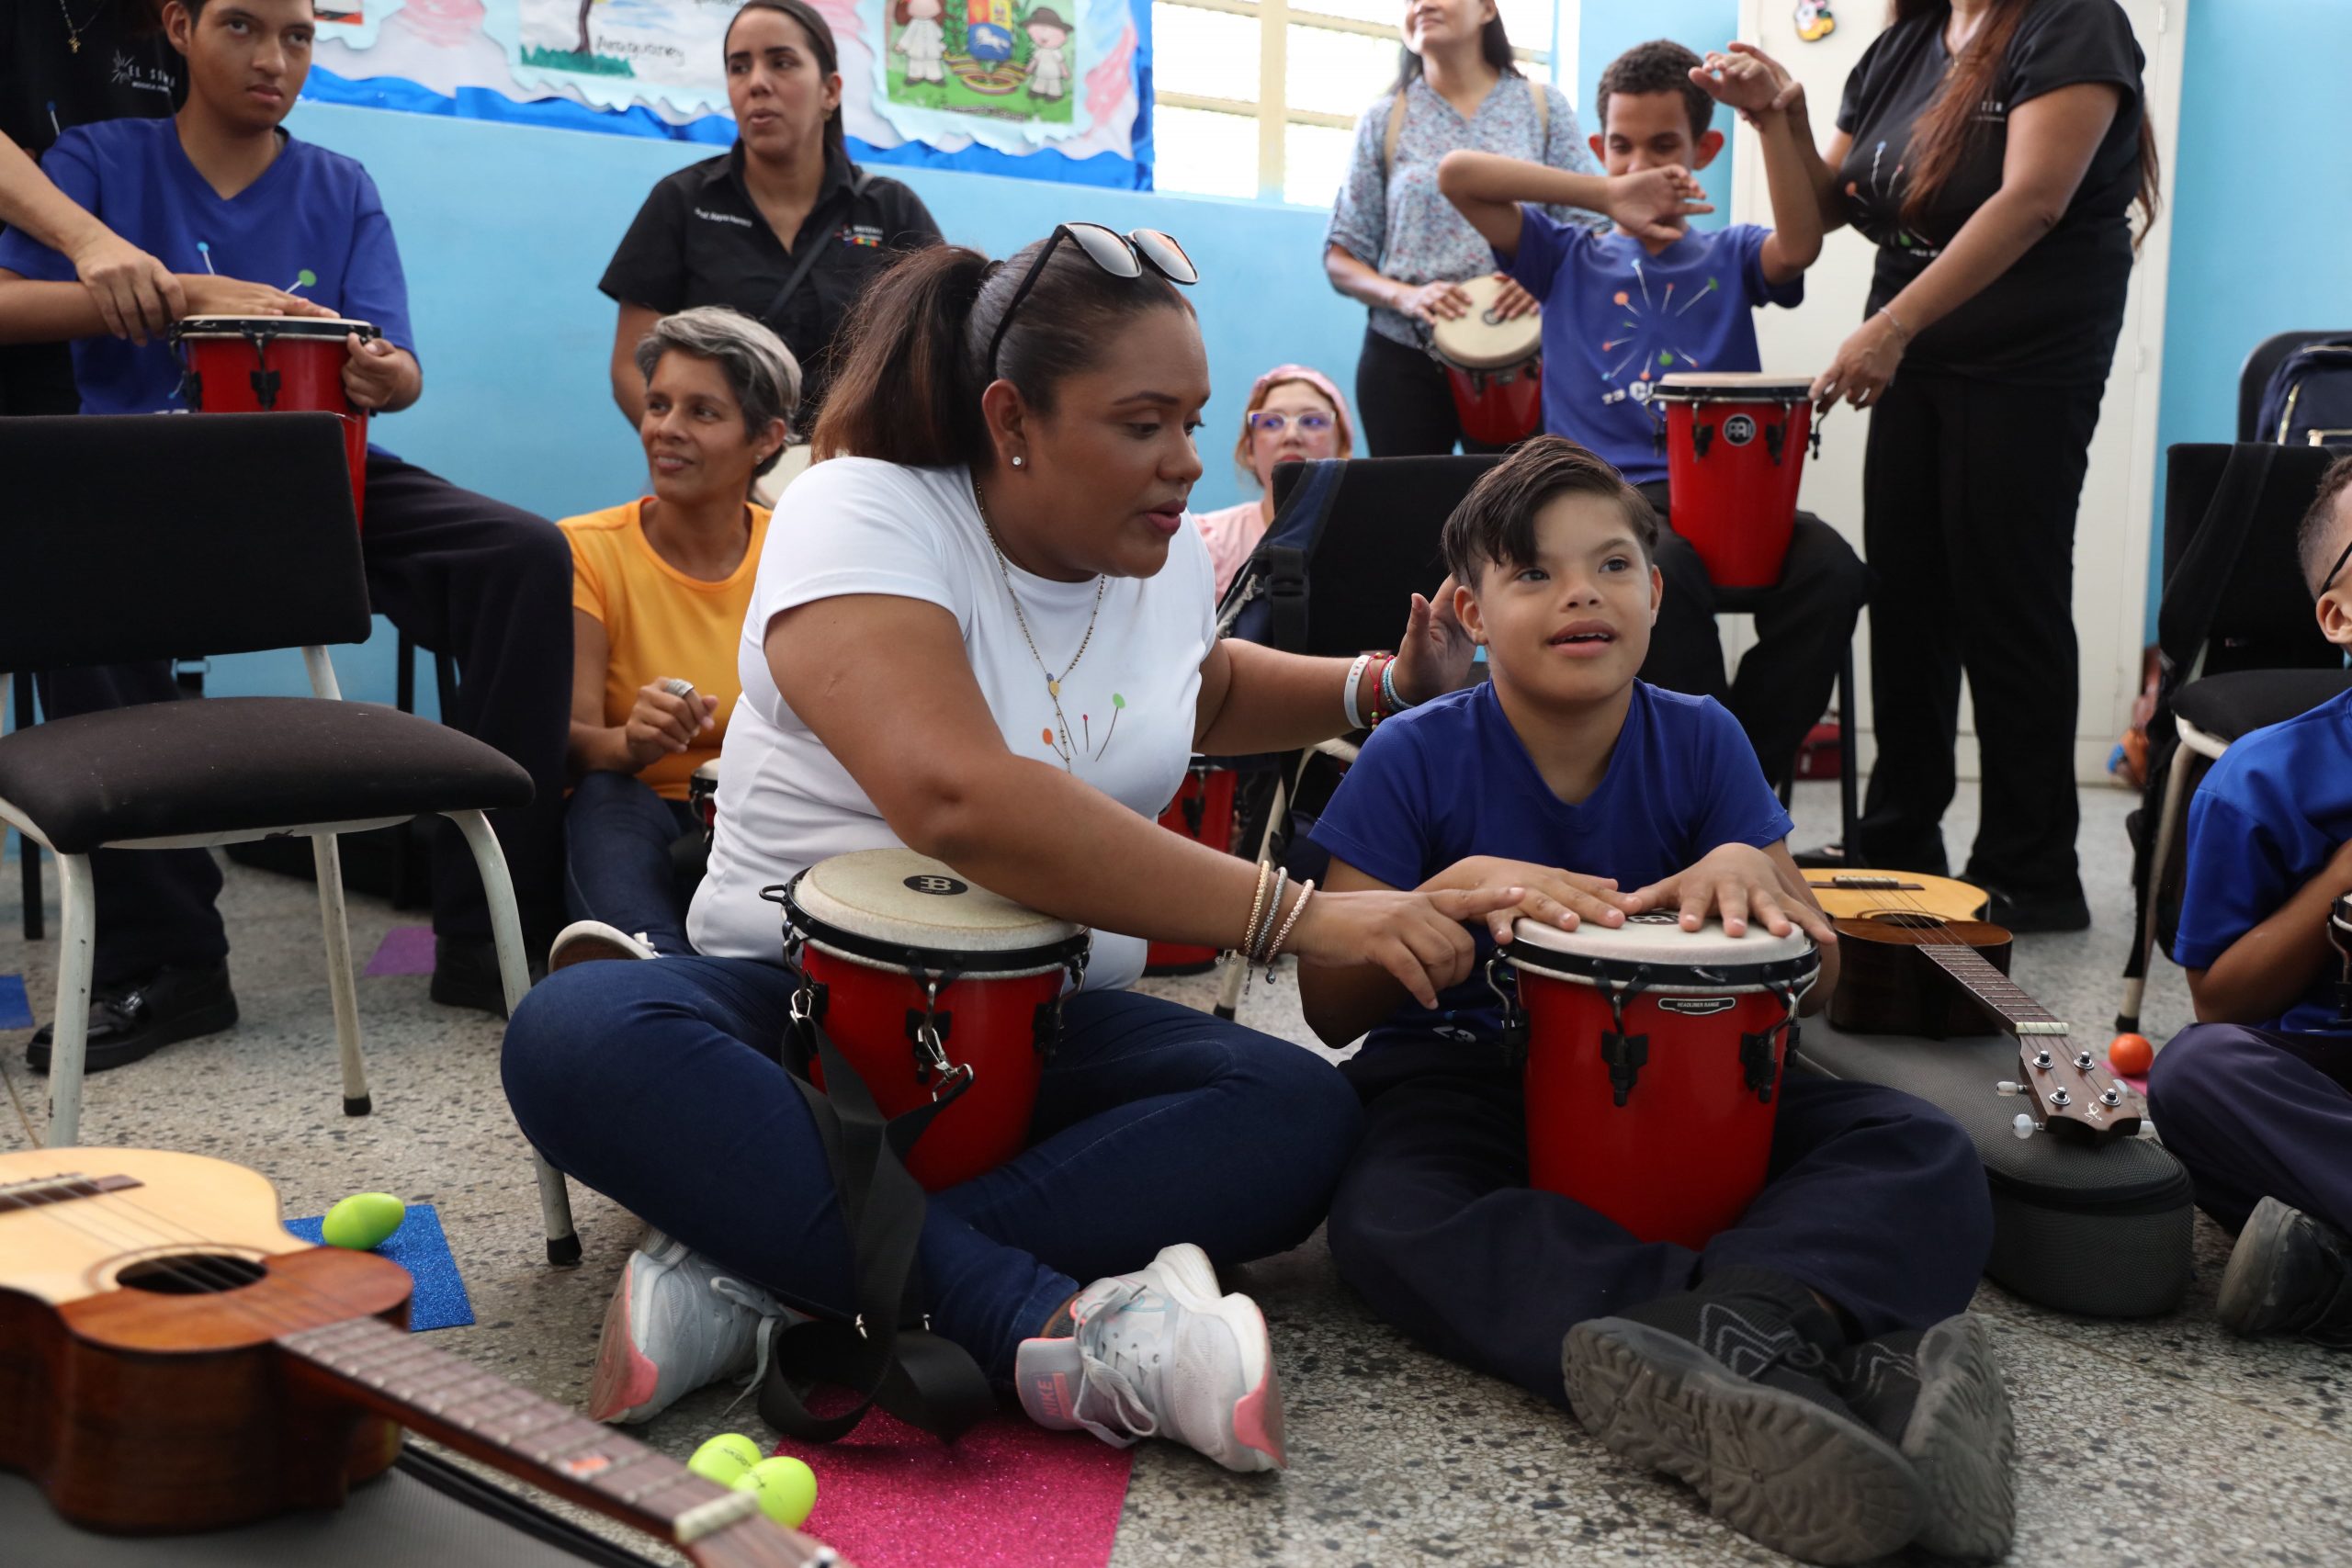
point(452, 1401)
point(1995, 991)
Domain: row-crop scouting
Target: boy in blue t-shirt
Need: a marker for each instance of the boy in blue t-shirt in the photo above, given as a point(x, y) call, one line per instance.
point(1621, 311)
point(256, 222)
point(2257, 1097)
point(1782, 1369)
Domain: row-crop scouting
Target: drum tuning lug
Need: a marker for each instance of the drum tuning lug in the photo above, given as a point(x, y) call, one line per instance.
point(2023, 1126)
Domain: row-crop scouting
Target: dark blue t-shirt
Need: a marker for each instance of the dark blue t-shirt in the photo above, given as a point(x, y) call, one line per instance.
point(312, 211)
point(1617, 318)
point(2266, 820)
point(1450, 779)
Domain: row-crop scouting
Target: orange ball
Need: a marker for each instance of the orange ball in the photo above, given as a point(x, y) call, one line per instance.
point(2131, 1054)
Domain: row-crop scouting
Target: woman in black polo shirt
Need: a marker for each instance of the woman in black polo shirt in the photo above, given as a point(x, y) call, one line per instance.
point(784, 227)
point(1993, 150)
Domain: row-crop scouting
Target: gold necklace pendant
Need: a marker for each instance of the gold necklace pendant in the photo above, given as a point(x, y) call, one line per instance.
point(1053, 688)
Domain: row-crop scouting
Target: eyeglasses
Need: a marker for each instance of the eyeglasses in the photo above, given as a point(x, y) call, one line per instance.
point(1268, 422)
point(1120, 255)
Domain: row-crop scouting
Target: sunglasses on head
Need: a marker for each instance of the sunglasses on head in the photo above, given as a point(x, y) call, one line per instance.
point(1120, 255)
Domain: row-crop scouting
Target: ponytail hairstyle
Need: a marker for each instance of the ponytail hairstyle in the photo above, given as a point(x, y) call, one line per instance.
point(821, 40)
point(1946, 132)
point(1493, 46)
point(911, 377)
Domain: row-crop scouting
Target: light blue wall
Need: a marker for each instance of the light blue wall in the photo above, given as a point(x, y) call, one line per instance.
point(1608, 28)
point(2261, 193)
point(505, 230)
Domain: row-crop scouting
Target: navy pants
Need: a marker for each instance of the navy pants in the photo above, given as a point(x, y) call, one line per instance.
point(617, 865)
point(2254, 1113)
point(653, 1083)
point(486, 582)
point(1804, 623)
point(1875, 1199)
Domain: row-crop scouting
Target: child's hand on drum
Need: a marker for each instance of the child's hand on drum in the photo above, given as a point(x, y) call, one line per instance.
point(1551, 896)
point(1419, 938)
point(375, 375)
point(662, 723)
point(1736, 882)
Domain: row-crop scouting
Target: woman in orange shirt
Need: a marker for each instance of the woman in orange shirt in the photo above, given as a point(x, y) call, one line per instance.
point(659, 588)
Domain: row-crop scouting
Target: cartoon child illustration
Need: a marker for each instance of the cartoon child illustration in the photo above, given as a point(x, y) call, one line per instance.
point(1049, 53)
point(922, 40)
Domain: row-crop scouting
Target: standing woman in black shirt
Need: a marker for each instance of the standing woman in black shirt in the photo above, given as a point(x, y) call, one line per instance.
point(1993, 150)
point(783, 227)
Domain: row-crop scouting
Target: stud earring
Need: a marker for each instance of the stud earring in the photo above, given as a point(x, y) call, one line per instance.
point(1017, 462)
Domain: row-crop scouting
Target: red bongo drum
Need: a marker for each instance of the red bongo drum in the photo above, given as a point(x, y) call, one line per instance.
point(1202, 811)
point(1494, 367)
point(1735, 455)
point(1654, 1057)
point(923, 979)
point(275, 364)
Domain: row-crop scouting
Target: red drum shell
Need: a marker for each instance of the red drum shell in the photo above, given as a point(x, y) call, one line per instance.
point(1202, 811)
point(222, 354)
point(1735, 500)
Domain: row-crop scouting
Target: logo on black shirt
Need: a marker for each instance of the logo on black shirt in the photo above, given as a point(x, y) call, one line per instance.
point(129, 73)
point(705, 212)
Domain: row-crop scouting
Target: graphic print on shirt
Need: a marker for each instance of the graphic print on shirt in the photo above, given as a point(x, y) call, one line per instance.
point(1885, 194)
point(1070, 746)
point(1643, 339)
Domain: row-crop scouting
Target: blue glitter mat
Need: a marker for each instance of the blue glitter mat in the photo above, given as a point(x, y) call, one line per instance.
point(421, 1248)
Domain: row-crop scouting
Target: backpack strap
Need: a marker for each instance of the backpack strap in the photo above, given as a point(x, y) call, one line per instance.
point(1285, 567)
point(1388, 140)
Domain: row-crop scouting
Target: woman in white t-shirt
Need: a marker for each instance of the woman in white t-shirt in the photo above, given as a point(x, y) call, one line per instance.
point(990, 557)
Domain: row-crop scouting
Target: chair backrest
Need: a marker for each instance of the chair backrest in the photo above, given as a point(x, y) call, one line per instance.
point(2260, 366)
point(1379, 547)
point(141, 536)
point(2234, 597)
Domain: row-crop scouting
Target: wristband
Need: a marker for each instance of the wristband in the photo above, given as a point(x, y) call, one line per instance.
point(1897, 321)
point(1354, 685)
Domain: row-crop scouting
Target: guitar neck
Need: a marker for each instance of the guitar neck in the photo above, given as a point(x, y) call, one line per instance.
point(450, 1399)
point(2018, 1013)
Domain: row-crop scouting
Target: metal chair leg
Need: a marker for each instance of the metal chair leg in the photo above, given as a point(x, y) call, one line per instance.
point(328, 863)
point(70, 1039)
point(2159, 858)
point(1233, 969)
point(28, 865)
point(1849, 755)
point(514, 975)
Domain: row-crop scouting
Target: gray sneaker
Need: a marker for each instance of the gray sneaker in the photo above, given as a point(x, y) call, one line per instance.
point(678, 1322)
point(2291, 1273)
point(1159, 1353)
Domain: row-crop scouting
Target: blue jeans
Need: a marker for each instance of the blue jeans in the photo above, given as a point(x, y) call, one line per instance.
point(616, 865)
point(651, 1083)
point(2258, 1113)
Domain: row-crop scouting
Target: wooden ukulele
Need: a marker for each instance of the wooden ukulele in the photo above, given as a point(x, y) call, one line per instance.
point(172, 1361)
point(1855, 895)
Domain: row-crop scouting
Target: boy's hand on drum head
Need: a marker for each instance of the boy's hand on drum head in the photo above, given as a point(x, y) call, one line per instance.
point(1552, 897)
point(1735, 882)
point(208, 296)
point(1655, 204)
point(1419, 938)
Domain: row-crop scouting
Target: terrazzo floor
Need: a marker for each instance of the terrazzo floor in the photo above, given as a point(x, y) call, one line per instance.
point(2162, 1442)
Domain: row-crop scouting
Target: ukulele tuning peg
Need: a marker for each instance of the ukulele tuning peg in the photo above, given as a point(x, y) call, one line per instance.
point(2041, 1060)
point(2023, 1126)
point(2082, 1060)
point(2008, 1086)
point(2109, 1097)
point(2060, 1097)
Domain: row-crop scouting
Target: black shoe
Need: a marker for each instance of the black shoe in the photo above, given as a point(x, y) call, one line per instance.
point(2025, 912)
point(136, 1018)
point(1723, 1387)
point(1835, 857)
point(1938, 1396)
point(1829, 857)
point(2289, 1273)
point(465, 974)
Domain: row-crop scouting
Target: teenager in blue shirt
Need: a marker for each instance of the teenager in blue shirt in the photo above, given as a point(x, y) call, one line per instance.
point(1782, 1369)
point(2255, 1097)
point(1622, 308)
point(254, 221)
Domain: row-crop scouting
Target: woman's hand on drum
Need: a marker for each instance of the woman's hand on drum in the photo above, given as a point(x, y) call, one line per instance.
point(209, 296)
point(1436, 654)
point(662, 723)
point(1658, 204)
point(1419, 938)
point(1434, 302)
point(1864, 367)
point(1551, 896)
point(1736, 882)
point(1512, 299)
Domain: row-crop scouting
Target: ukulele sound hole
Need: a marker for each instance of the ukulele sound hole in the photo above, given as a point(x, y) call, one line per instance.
point(1909, 920)
point(190, 1274)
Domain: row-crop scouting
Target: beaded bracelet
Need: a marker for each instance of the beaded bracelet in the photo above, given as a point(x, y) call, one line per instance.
point(1306, 891)
point(1260, 953)
point(1257, 907)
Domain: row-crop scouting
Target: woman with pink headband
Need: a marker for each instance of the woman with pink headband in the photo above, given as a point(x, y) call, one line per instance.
point(1295, 415)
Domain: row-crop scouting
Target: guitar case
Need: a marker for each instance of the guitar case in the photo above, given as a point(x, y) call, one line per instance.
point(423, 1510)
point(2100, 1230)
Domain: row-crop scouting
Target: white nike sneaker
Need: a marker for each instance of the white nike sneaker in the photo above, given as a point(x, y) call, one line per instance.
point(1159, 1353)
point(677, 1323)
point(584, 939)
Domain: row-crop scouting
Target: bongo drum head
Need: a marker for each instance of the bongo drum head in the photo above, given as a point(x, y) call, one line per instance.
point(1733, 387)
point(1477, 341)
point(1654, 950)
point(902, 910)
point(336, 327)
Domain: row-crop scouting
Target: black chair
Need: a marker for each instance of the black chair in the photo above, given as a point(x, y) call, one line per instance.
point(148, 538)
point(2254, 375)
point(2239, 646)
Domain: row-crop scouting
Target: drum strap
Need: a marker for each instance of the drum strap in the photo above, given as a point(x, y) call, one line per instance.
point(887, 1356)
point(1396, 128)
point(1761, 1053)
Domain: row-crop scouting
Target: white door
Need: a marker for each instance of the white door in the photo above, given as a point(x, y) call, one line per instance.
point(2112, 531)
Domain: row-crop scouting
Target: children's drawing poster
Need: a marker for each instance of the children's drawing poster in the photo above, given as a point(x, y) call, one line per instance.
point(1050, 89)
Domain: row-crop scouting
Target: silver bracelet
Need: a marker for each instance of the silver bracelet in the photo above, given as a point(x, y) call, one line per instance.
point(1897, 321)
point(1306, 891)
point(1348, 692)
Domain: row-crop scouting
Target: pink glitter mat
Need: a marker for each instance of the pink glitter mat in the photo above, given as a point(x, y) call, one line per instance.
point(1008, 1494)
